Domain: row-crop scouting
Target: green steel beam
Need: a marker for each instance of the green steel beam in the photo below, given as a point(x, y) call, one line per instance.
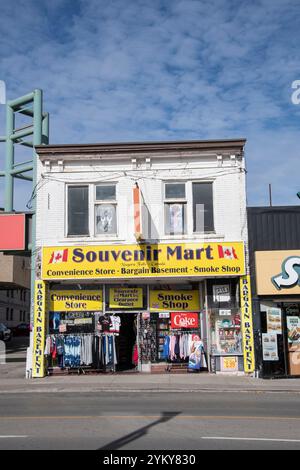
point(22, 169)
point(26, 112)
point(22, 177)
point(23, 163)
point(25, 143)
point(45, 129)
point(9, 182)
point(22, 133)
point(21, 101)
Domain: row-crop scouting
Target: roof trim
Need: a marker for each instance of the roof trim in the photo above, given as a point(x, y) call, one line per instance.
point(137, 147)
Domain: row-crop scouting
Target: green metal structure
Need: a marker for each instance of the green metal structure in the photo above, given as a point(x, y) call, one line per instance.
point(30, 105)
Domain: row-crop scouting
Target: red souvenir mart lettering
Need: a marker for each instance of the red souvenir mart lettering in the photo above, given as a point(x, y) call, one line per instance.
point(184, 320)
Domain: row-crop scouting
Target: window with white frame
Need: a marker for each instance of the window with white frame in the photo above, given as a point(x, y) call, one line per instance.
point(105, 209)
point(175, 207)
point(78, 210)
point(203, 210)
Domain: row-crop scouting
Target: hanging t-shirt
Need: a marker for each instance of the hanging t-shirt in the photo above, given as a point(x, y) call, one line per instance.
point(105, 322)
point(115, 324)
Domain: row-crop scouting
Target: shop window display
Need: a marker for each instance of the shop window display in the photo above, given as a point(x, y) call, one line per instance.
point(226, 337)
point(178, 345)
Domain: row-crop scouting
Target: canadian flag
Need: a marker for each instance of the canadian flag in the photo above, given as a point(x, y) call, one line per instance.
point(227, 252)
point(59, 256)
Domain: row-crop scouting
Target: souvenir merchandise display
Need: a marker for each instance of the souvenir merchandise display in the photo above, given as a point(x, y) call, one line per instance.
point(71, 322)
point(147, 340)
point(226, 334)
point(182, 347)
point(73, 343)
point(97, 351)
point(177, 346)
point(162, 332)
point(197, 359)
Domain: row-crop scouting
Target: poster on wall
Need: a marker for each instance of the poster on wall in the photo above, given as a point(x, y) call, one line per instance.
point(270, 347)
point(293, 329)
point(274, 321)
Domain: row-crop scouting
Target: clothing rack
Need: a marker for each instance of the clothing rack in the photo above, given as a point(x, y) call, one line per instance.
point(81, 357)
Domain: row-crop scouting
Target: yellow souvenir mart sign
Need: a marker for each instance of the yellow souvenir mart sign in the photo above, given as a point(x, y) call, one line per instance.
point(126, 297)
point(39, 329)
point(144, 261)
point(75, 300)
point(174, 301)
point(247, 324)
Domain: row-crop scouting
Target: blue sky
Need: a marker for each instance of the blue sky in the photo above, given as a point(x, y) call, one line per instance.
point(140, 70)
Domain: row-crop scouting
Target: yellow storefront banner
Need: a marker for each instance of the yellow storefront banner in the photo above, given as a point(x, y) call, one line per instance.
point(174, 301)
point(125, 297)
point(75, 300)
point(145, 261)
point(247, 324)
point(39, 329)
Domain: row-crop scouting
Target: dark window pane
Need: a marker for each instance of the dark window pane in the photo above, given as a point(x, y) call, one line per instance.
point(203, 201)
point(78, 210)
point(175, 217)
point(175, 191)
point(105, 193)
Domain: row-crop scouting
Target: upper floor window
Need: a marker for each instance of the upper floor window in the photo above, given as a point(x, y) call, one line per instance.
point(203, 214)
point(175, 205)
point(105, 209)
point(78, 210)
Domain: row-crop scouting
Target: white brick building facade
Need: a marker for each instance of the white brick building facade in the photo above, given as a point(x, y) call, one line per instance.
point(193, 195)
point(225, 169)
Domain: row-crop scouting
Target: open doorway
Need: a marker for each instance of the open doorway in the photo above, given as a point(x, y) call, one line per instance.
point(126, 341)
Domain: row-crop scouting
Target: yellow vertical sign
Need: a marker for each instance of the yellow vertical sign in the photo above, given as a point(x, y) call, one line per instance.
point(247, 324)
point(39, 329)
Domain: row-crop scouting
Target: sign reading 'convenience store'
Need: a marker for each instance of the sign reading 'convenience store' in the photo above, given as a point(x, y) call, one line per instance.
point(160, 260)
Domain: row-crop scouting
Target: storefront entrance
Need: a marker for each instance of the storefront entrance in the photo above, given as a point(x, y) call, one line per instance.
point(126, 342)
point(280, 339)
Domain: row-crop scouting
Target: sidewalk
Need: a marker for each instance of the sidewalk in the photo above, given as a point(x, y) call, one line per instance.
point(148, 383)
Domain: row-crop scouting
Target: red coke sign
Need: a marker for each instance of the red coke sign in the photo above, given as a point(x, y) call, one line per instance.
point(184, 320)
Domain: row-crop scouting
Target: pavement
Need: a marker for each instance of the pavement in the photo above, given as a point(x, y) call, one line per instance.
point(187, 383)
point(149, 421)
point(12, 380)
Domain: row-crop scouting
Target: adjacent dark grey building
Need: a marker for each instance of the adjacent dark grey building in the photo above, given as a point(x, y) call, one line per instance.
point(274, 251)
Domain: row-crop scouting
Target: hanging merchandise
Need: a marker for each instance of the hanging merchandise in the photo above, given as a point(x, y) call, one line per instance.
point(147, 340)
point(185, 347)
point(115, 322)
point(135, 355)
point(197, 358)
point(81, 351)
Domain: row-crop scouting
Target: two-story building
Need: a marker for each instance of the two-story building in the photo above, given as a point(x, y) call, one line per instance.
point(142, 258)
